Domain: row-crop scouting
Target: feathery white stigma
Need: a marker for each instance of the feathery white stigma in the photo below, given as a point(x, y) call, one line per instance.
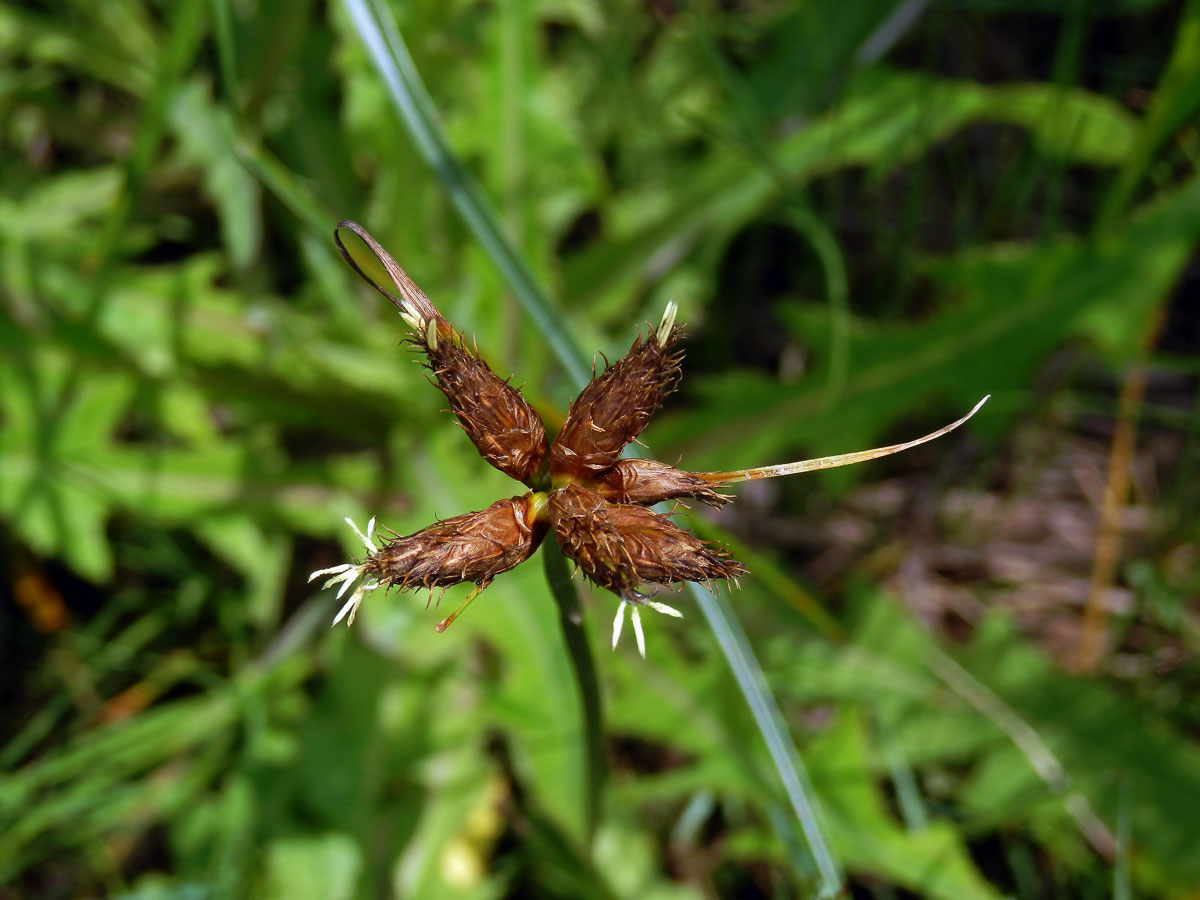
point(348, 573)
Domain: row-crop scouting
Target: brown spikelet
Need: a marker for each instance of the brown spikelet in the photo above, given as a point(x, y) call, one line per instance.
point(614, 408)
point(505, 431)
point(620, 546)
point(648, 481)
point(583, 524)
point(474, 547)
point(664, 553)
point(503, 427)
point(596, 503)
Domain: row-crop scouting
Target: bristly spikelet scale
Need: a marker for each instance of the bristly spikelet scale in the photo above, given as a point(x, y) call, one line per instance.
point(620, 546)
point(586, 535)
point(615, 407)
point(663, 553)
point(648, 481)
point(502, 426)
point(474, 547)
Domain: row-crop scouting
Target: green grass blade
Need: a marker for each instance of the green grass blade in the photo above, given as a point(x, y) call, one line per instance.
point(769, 719)
point(377, 29)
point(1122, 889)
point(1173, 103)
point(570, 613)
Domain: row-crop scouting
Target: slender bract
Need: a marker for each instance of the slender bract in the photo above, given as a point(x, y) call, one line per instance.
point(832, 462)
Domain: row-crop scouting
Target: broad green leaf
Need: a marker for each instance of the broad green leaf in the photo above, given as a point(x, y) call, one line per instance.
point(259, 554)
point(205, 141)
point(444, 859)
point(54, 211)
point(316, 867)
point(1107, 743)
point(932, 861)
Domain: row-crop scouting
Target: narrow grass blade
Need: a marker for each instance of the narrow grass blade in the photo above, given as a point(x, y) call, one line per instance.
point(769, 719)
point(1027, 740)
point(1122, 889)
point(570, 614)
point(378, 31)
point(1173, 102)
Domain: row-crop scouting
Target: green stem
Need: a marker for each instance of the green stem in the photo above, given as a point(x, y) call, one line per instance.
point(570, 618)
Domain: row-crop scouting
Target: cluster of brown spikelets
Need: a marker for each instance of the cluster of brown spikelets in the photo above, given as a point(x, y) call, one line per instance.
point(595, 502)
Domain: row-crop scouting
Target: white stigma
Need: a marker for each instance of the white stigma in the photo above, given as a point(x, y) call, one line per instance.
point(618, 622)
point(348, 573)
point(413, 318)
point(638, 634)
point(365, 538)
point(663, 333)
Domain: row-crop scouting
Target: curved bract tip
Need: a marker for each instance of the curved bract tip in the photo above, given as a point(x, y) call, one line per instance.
point(832, 462)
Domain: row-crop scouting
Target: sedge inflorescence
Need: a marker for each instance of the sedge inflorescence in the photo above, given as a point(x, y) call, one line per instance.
point(596, 503)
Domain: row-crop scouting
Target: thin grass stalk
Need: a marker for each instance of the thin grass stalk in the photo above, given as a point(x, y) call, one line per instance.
point(1122, 886)
point(226, 49)
point(771, 577)
point(767, 716)
point(1026, 739)
point(1174, 100)
point(837, 293)
point(380, 35)
point(570, 613)
point(378, 31)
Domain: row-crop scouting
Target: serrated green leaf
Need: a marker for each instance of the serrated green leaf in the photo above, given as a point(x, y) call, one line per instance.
point(931, 861)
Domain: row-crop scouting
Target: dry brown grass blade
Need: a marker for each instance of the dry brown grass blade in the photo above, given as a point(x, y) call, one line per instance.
point(1116, 489)
point(412, 302)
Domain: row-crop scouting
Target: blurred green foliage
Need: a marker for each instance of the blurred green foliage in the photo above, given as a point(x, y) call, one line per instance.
point(907, 204)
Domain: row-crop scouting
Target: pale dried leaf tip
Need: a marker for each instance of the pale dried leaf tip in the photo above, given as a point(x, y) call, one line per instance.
point(663, 333)
point(833, 462)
